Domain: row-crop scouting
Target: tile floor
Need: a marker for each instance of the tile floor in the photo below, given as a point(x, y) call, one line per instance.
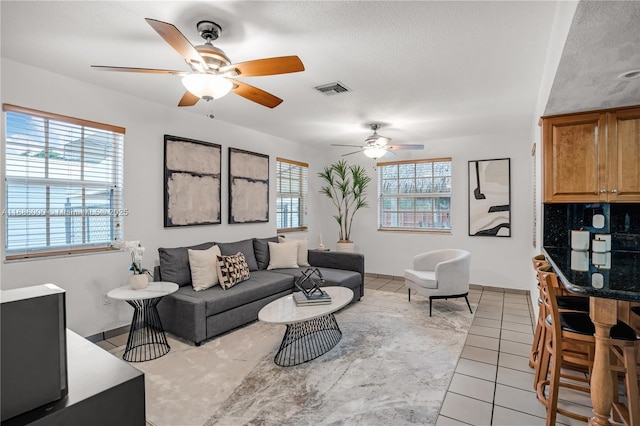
point(492, 383)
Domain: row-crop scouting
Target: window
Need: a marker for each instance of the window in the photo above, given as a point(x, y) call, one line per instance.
point(415, 195)
point(63, 184)
point(292, 184)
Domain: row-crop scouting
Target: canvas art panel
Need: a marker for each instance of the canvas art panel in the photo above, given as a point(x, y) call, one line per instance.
point(248, 186)
point(192, 182)
point(490, 198)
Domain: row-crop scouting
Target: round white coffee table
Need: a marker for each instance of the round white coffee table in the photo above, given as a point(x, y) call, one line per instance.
point(146, 340)
point(311, 330)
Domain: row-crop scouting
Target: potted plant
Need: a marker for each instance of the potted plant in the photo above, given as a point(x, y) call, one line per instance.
point(345, 185)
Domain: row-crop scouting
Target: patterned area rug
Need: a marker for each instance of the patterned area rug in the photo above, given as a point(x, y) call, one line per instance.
point(392, 366)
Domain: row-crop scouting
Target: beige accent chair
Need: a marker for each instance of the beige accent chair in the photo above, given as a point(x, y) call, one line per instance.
point(440, 274)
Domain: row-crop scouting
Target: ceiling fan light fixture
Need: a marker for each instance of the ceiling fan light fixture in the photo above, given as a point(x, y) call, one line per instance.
point(207, 86)
point(374, 152)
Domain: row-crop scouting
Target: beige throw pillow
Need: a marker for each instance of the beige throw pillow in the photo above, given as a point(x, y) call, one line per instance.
point(303, 247)
point(283, 255)
point(202, 263)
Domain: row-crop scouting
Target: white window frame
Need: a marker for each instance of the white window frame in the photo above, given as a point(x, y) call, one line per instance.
point(392, 191)
point(95, 186)
point(292, 171)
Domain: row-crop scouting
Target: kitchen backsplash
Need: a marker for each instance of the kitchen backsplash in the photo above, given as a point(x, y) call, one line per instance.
point(621, 220)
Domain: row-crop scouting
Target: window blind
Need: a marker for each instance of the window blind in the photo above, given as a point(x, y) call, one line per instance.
point(292, 189)
point(415, 195)
point(63, 183)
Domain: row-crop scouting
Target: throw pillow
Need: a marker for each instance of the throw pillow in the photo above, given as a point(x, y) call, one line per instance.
point(204, 271)
point(244, 246)
point(174, 263)
point(232, 270)
point(303, 250)
point(283, 255)
point(261, 250)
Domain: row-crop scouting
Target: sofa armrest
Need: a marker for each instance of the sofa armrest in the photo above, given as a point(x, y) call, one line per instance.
point(157, 276)
point(338, 260)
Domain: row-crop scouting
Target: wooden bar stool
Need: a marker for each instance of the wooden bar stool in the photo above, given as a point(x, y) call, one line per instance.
point(538, 336)
point(568, 330)
point(565, 303)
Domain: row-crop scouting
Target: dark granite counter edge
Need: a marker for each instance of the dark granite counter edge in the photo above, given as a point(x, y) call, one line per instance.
point(631, 296)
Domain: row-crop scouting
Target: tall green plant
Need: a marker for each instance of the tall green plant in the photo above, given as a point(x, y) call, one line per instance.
point(345, 185)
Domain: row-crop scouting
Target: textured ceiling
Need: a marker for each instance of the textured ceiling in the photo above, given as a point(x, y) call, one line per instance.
point(603, 42)
point(428, 70)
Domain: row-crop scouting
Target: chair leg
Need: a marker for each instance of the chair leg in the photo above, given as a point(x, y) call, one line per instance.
point(468, 304)
point(430, 304)
point(409, 293)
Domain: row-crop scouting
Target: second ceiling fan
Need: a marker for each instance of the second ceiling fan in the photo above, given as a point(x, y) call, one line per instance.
point(376, 146)
point(211, 69)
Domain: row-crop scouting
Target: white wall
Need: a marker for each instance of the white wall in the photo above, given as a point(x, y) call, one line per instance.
point(88, 278)
point(560, 30)
point(498, 262)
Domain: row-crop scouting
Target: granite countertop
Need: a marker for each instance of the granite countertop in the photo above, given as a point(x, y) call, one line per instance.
point(611, 275)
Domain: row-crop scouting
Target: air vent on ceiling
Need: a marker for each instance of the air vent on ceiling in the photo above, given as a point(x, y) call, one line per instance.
point(332, 88)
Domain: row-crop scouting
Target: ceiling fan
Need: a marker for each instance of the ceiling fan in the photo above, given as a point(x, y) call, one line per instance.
point(211, 70)
point(376, 146)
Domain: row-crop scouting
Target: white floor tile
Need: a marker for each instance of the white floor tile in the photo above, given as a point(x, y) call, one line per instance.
point(465, 409)
point(472, 387)
point(477, 369)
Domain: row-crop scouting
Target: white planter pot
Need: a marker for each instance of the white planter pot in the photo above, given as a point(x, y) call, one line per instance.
point(139, 281)
point(348, 247)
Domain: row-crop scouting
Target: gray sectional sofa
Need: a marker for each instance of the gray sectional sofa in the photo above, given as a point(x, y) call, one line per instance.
point(200, 315)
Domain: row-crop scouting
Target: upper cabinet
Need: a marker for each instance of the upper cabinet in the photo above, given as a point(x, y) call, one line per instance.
point(592, 157)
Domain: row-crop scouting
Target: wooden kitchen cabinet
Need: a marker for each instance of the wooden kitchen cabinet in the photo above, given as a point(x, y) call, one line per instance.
point(592, 157)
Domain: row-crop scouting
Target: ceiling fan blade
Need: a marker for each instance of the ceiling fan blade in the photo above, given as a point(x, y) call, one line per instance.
point(350, 153)
point(267, 66)
point(188, 99)
point(405, 146)
point(337, 144)
point(256, 95)
point(141, 70)
point(178, 41)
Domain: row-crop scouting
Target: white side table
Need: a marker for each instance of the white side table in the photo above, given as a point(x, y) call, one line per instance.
point(146, 340)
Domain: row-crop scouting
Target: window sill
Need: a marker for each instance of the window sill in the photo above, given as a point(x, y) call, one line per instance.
point(286, 230)
point(416, 231)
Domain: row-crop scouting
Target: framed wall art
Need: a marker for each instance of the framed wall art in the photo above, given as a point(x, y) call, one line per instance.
point(191, 182)
point(490, 197)
point(248, 187)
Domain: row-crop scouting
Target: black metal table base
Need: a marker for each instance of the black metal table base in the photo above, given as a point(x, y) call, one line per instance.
point(146, 340)
point(307, 340)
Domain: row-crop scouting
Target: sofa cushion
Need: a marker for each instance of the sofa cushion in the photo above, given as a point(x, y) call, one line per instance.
point(203, 265)
point(261, 250)
point(283, 255)
point(244, 246)
point(262, 284)
point(174, 263)
point(332, 277)
point(232, 270)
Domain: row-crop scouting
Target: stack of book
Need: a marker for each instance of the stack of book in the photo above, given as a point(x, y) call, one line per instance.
point(316, 298)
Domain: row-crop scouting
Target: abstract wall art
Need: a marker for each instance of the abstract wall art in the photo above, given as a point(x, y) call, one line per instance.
point(490, 197)
point(248, 186)
point(191, 182)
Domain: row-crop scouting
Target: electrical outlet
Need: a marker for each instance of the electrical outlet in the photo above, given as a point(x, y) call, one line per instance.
point(106, 300)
